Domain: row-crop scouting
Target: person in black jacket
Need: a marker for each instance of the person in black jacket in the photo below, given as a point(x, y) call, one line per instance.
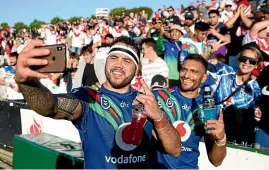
point(172, 17)
point(262, 133)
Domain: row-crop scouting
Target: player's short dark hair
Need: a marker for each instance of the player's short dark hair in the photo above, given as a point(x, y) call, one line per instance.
point(202, 26)
point(213, 11)
point(198, 58)
point(74, 55)
point(86, 49)
point(14, 54)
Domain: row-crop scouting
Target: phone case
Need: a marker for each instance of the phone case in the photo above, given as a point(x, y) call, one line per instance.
point(56, 59)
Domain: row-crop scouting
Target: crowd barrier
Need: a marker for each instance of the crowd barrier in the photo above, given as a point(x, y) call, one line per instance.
point(17, 118)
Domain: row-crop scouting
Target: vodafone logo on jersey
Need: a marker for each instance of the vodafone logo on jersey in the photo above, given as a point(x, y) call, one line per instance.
point(183, 129)
point(121, 137)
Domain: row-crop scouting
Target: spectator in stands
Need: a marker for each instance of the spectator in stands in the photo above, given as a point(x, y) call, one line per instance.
point(50, 35)
point(61, 39)
point(172, 49)
point(173, 19)
point(71, 68)
point(104, 29)
point(196, 44)
point(155, 64)
point(189, 25)
point(155, 29)
point(259, 34)
point(213, 6)
point(9, 86)
point(78, 38)
point(248, 60)
point(265, 11)
point(218, 31)
point(238, 26)
point(95, 35)
point(158, 82)
point(201, 18)
point(123, 31)
point(237, 92)
point(203, 8)
point(109, 39)
point(227, 13)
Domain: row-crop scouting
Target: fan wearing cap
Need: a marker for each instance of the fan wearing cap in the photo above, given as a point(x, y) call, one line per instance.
point(171, 49)
point(158, 82)
point(102, 117)
point(189, 25)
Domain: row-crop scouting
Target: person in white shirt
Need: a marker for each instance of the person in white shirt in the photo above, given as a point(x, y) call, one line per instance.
point(259, 34)
point(50, 35)
point(3, 45)
point(227, 13)
point(78, 38)
point(61, 39)
point(27, 39)
point(123, 31)
point(96, 37)
point(155, 64)
point(88, 37)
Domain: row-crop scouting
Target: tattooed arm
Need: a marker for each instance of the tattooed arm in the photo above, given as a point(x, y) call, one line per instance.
point(42, 101)
point(39, 98)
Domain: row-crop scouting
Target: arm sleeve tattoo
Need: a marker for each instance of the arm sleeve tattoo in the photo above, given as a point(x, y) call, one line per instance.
point(42, 101)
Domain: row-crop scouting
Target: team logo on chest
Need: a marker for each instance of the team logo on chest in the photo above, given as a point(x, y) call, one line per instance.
point(169, 102)
point(104, 103)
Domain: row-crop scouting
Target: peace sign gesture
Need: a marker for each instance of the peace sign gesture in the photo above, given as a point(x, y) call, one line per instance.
point(150, 104)
point(216, 45)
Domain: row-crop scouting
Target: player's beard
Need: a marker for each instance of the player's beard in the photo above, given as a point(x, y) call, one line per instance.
point(118, 84)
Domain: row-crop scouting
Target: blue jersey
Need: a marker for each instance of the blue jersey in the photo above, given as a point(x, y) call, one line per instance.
point(185, 115)
point(104, 117)
point(171, 57)
point(225, 79)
